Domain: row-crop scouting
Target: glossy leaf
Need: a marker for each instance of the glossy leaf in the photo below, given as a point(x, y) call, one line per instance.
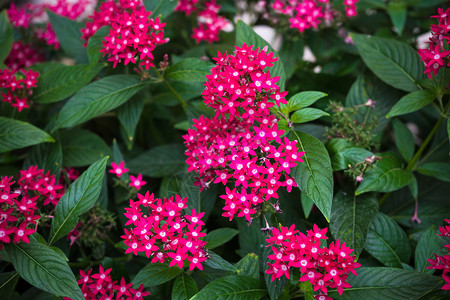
point(374, 283)
point(251, 238)
point(219, 237)
point(428, 244)
point(439, 170)
point(387, 176)
point(404, 140)
point(411, 103)
point(16, 134)
point(79, 198)
point(184, 287)
point(307, 204)
point(387, 242)
point(129, 114)
point(245, 34)
point(307, 114)
point(314, 176)
point(62, 81)
point(154, 274)
point(397, 13)
point(44, 268)
point(97, 98)
point(350, 219)
point(160, 7)
point(215, 261)
point(394, 62)
point(47, 156)
point(301, 100)
point(200, 201)
point(232, 287)
point(8, 283)
point(343, 153)
point(95, 44)
point(6, 36)
point(190, 70)
point(248, 266)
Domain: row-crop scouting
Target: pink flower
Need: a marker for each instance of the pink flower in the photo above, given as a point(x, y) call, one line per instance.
point(118, 169)
point(137, 181)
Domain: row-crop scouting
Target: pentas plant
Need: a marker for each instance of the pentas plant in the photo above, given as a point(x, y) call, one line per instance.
point(18, 85)
point(323, 267)
point(119, 170)
point(23, 56)
point(442, 262)
point(160, 230)
point(437, 56)
point(242, 144)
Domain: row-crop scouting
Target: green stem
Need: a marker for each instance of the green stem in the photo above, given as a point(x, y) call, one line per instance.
point(171, 89)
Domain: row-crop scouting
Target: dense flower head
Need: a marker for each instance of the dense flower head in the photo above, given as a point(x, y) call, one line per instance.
point(20, 201)
point(323, 267)
point(437, 55)
point(18, 86)
point(242, 144)
point(442, 262)
point(101, 286)
point(23, 56)
point(161, 230)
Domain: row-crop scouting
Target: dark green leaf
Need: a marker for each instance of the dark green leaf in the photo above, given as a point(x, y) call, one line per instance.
point(245, 34)
point(184, 287)
point(440, 170)
point(307, 114)
point(249, 266)
point(428, 213)
point(307, 204)
point(129, 114)
point(387, 242)
point(302, 100)
point(95, 44)
point(47, 156)
point(343, 153)
point(69, 36)
point(161, 161)
point(200, 201)
point(411, 103)
point(6, 36)
point(216, 262)
point(154, 274)
point(189, 69)
point(160, 7)
point(394, 62)
point(397, 12)
point(291, 53)
point(82, 147)
point(350, 219)
point(276, 287)
point(79, 198)
point(62, 81)
point(314, 176)
point(8, 283)
point(404, 140)
point(387, 284)
point(97, 98)
point(17, 134)
point(44, 268)
point(427, 246)
point(232, 287)
point(251, 238)
point(387, 176)
point(219, 237)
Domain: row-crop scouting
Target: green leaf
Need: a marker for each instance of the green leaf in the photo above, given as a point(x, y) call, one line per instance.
point(184, 287)
point(219, 237)
point(17, 134)
point(160, 7)
point(8, 283)
point(215, 261)
point(387, 242)
point(411, 103)
point(291, 53)
point(350, 219)
point(302, 100)
point(161, 161)
point(394, 62)
point(251, 238)
point(6, 36)
point(343, 153)
point(97, 98)
point(427, 246)
point(307, 204)
point(82, 147)
point(307, 114)
point(276, 287)
point(232, 287)
point(69, 36)
point(200, 201)
point(248, 266)
point(388, 284)
point(439, 170)
point(129, 114)
point(79, 198)
point(448, 130)
point(47, 156)
point(44, 268)
point(245, 34)
point(404, 140)
point(62, 81)
point(314, 176)
point(95, 44)
point(154, 274)
point(397, 12)
point(190, 70)
point(387, 176)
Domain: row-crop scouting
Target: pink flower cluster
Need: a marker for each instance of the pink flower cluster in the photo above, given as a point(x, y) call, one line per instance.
point(443, 262)
point(437, 56)
point(209, 22)
point(163, 232)
point(305, 14)
point(18, 86)
point(120, 169)
point(101, 286)
point(238, 145)
point(18, 205)
point(22, 56)
point(323, 267)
